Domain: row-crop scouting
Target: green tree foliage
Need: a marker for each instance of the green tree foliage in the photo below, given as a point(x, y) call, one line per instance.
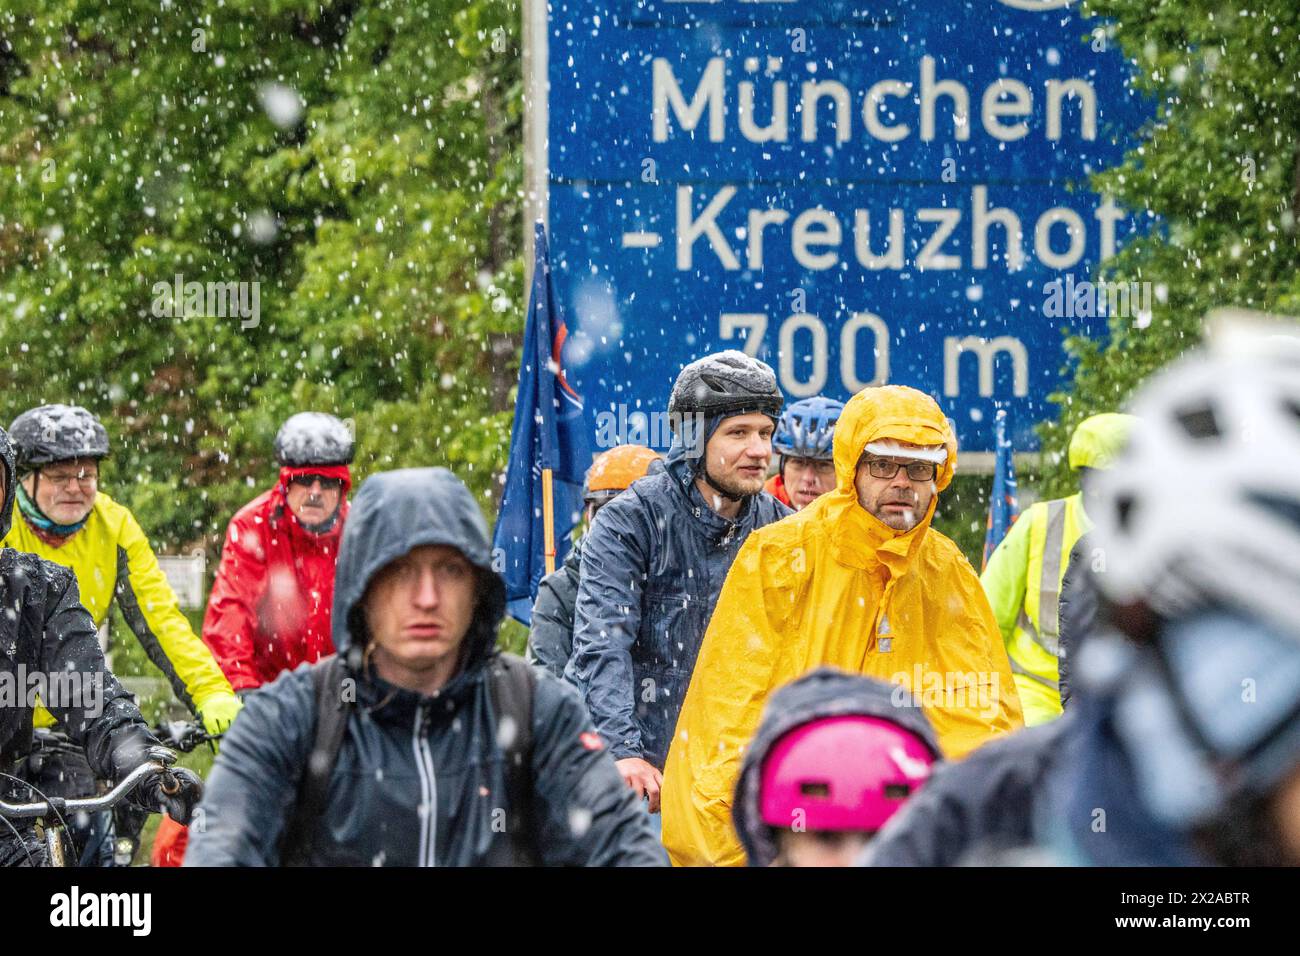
point(360, 160)
point(1219, 165)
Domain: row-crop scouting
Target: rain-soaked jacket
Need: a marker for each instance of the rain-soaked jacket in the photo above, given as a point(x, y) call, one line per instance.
point(833, 585)
point(978, 809)
point(112, 560)
point(550, 635)
point(419, 780)
point(652, 566)
point(45, 630)
point(269, 609)
point(825, 692)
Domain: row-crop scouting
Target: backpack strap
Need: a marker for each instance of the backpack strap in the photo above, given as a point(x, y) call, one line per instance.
point(512, 685)
point(332, 712)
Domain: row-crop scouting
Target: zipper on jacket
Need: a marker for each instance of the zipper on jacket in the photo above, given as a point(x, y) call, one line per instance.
point(428, 790)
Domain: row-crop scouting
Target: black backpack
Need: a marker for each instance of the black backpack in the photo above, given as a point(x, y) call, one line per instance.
point(511, 684)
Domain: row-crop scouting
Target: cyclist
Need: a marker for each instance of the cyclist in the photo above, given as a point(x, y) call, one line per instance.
point(806, 468)
point(655, 559)
point(46, 631)
point(1024, 574)
point(550, 638)
point(269, 608)
point(64, 517)
point(857, 580)
point(834, 758)
point(420, 744)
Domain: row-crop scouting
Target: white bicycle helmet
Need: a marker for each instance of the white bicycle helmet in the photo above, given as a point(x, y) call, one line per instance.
point(1203, 506)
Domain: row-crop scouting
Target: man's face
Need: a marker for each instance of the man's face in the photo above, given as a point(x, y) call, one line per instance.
point(820, 847)
point(313, 498)
point(806, 479)
point(900, 502)
point(419, 607)
point(65, 491)
point(739, 452)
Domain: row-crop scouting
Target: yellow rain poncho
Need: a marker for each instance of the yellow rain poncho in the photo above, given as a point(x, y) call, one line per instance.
point(834, 585)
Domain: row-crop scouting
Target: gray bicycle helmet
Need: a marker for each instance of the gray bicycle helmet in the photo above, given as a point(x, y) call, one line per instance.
point(53, 433)
point(726, 383)
point(313, 438)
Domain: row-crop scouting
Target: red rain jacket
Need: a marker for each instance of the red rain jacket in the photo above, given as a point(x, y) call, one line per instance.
point(269, 609)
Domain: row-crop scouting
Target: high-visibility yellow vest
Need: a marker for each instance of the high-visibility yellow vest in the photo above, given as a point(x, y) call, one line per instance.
point(1023, 584)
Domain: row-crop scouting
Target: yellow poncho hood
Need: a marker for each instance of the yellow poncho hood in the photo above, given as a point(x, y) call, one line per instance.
point(833, 585)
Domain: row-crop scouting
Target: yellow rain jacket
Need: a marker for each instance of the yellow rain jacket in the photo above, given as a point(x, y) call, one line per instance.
point(111, 557)
point(834, 585)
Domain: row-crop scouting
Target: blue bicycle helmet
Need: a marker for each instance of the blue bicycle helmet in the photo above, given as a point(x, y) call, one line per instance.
point(806, 428)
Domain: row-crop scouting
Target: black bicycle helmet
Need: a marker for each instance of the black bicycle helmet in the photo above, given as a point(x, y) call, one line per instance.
point(53, 433)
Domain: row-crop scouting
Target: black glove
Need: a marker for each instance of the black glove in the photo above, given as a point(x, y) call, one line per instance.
point(175, 793)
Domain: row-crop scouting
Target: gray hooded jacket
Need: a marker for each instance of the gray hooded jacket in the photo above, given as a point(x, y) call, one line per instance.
point(420, 780)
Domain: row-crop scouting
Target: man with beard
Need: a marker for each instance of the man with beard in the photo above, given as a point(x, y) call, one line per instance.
point(857, 580)
point(656, 556)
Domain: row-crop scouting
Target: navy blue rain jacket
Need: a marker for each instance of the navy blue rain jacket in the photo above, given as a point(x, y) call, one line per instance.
point(653, 565)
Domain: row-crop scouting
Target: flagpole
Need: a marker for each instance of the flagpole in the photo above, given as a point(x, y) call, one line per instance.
point(548, 520)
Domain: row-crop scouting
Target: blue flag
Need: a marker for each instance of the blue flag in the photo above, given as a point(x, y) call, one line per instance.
point(550, 431)
point(1003, 507)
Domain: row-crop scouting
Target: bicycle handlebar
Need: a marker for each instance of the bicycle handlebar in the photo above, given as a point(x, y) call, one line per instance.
point(183, 735)
point(18, 811)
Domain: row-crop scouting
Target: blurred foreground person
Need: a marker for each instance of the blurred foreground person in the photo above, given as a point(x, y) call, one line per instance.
point(834, 758)
point(1183, 747)
point(47, 639)
point(419, 744)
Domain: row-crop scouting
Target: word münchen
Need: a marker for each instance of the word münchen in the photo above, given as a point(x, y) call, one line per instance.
point(889, 111)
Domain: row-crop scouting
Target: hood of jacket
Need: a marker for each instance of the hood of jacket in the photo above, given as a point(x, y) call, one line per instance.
point(824, 692)
point(395, 512)
point(10, 469)
point(880, 413)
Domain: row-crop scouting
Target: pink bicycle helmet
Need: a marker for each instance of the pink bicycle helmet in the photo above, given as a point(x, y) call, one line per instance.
point(842, 773)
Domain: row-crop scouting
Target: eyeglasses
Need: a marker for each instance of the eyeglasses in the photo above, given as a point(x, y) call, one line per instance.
point(84, 477)
point(327, 484)
point(916, 470)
